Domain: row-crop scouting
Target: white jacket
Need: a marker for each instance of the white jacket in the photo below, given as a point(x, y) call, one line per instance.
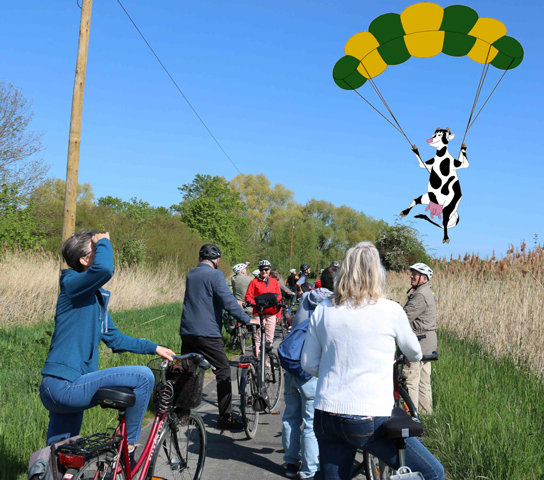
point(351, 350)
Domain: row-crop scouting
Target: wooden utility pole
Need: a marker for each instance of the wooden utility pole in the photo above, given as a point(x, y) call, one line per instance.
point(291, 254)
point(72, 168)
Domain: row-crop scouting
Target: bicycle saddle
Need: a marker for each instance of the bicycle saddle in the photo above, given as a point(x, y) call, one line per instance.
point(119, 398)
point(401, 425)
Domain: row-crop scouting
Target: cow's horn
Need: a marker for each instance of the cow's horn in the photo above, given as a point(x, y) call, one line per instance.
point(448, 130)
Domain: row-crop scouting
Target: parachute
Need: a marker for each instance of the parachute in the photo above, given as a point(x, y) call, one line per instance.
point(424, 30)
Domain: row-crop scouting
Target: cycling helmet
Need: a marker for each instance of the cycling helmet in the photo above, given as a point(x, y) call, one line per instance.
point(209, 252)
point(255, 273)
point(304, 267)
point(335, 264)
point(264, 263)
point(422, 268)
point(239, 267)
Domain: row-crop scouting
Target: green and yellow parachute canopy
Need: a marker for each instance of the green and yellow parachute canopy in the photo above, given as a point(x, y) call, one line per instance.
point(424, 30)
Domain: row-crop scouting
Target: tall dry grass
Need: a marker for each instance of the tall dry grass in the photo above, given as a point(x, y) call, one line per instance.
point(497, 302)
point(29, 287)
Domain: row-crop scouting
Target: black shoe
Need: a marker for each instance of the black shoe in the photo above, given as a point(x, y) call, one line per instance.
point(132, 459)
point(229, 422)
point(292, 470)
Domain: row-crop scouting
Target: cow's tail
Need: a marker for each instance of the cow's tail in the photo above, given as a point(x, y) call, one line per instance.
point(454, 220)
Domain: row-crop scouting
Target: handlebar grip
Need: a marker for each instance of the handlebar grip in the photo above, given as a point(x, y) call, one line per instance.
point(430, 358)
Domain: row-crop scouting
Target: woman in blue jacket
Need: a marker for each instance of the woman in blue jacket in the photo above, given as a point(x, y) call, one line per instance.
point(70, 375)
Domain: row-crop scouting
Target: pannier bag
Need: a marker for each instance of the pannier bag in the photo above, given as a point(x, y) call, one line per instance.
point(44, 464)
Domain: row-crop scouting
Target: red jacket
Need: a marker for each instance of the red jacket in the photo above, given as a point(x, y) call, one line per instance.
point(258, 286)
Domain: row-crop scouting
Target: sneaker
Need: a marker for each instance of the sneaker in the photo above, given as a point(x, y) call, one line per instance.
point(132, 459)
point(292, 470)
point(229, 422)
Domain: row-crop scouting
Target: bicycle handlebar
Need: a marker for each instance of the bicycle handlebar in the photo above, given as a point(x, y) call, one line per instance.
point(202, 362)
point(426, 358)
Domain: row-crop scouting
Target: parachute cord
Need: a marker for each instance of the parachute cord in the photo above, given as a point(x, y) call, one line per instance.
point(478, 91)
point(382, 98)
point(354, 90)
point(480, 111)
point(394, 126)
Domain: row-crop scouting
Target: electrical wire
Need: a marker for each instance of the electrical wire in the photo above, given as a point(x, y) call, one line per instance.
point(179, 89)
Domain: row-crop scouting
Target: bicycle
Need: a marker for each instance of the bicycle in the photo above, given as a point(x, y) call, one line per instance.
point(373, 467)
point(260, 377)
point(237, 331)
point(176, 447)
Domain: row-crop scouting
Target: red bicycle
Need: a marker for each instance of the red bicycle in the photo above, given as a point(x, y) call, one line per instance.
point(176, 447)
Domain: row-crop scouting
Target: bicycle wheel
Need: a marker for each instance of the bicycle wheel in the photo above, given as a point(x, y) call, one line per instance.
point(100, 467)
point(242, 336)
point(273, 379)
point(374, 468)
point(248, 390)
point(284, 326)
point(181, 450)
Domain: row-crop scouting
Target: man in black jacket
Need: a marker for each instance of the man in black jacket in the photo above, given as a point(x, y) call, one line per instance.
point(206, 296)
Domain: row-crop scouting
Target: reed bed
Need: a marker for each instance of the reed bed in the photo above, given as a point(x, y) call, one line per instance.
point(498, 303)
point(29, 287)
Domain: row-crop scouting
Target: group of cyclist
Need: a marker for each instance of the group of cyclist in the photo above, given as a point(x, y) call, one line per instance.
point(351, 341)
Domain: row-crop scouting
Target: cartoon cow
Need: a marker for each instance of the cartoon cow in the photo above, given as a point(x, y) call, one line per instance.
point(443, 191)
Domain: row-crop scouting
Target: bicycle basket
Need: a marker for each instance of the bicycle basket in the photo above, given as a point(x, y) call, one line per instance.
point(188, 380)
point(230, 323)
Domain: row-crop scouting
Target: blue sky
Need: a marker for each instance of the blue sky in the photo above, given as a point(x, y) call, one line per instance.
point(260, 76)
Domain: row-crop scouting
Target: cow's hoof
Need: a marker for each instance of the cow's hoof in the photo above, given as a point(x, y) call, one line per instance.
point(446, 240)
point(404, 213)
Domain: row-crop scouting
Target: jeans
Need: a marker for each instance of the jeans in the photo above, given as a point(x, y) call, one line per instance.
point(340, 437)
point(299, 397)
point(66, 401)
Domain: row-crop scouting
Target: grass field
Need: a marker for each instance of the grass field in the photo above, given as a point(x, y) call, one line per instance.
point(23, 419)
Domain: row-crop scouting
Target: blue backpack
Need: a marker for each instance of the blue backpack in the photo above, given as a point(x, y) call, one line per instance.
point(290, 350)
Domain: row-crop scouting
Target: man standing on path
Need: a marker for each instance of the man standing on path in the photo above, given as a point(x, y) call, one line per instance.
point(302, 283)
point(299, 395)
point(240, 283)
point(206, 296)
point(421, 311)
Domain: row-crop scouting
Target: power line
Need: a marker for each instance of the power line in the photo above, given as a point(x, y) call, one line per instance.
point(179, 89)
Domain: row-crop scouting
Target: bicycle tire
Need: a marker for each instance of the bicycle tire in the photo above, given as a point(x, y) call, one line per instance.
point(101, 466)
point(248, 390)
point(273, 379)
point(242, 335)
point(181, 449)
point(284, 327)
point(374, 469)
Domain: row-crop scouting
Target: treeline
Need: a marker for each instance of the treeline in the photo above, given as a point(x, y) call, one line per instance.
point(247, 217)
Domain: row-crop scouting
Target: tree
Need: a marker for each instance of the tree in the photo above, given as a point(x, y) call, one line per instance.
point(17, 226)
point(400, 246)
point(264, 204)
point(212, 209)
point(18, 146)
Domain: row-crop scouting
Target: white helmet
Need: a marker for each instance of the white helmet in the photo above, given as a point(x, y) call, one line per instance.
point(422, 268)
point(239, 267)
point(255, 273)
point(264, 263)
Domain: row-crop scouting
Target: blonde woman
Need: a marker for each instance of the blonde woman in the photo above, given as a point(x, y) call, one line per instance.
point(350, 347)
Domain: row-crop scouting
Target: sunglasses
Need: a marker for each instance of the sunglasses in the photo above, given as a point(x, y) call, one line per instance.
point(264, 269)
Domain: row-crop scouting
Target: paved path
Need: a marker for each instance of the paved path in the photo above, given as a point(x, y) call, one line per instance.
point(230, 455)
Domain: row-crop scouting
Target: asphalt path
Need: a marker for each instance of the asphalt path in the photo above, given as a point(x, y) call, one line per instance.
point(230, 454)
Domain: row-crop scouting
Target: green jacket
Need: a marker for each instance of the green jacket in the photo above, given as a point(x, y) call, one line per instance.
point(240, 284)
point(421, 311)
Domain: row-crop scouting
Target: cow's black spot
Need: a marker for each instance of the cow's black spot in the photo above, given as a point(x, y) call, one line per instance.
point(435, 180)
point(442, 151)
point(445, 189)
point(445, 167)
point(418, 200)
point(457, 163)
point(430, 161)
point(432, 197)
